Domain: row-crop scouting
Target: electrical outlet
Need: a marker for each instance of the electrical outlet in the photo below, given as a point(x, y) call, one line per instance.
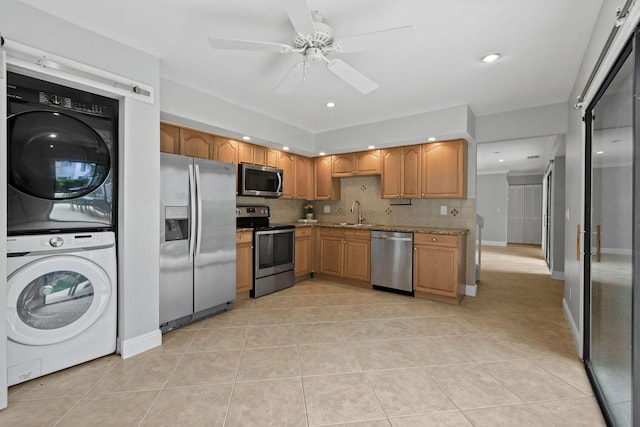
point(327, 208)
point(443, 210)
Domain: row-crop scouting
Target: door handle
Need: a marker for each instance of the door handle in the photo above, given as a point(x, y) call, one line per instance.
point(192, 213)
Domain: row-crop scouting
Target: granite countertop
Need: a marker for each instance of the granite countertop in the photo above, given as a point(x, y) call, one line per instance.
point(400, 228)
point(244, 229)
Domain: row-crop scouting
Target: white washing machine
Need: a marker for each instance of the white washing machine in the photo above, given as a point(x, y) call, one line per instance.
point(61, 301)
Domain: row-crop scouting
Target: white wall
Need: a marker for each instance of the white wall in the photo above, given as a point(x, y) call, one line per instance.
point(557, 218)
point(491, 200)
point(574, 195)
point(138, 246)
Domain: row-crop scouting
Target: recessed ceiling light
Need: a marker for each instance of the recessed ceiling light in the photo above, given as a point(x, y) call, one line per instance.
point(331, 104)
point(501, 160)
point(599, 152)
point(285, 148)
point(322, 153)
point(246, 138)
point(431, 138)
point(491, 57)
point(371, 147)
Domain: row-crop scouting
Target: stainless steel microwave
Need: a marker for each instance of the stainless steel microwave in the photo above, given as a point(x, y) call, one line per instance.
point(263, 181)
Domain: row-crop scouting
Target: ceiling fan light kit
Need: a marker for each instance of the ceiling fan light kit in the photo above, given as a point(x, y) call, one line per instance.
point(314, 41)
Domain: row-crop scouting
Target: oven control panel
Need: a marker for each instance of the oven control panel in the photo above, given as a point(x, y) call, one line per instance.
point(252, 212)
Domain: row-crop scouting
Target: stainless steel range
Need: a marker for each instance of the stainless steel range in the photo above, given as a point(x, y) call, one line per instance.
point(273, 250)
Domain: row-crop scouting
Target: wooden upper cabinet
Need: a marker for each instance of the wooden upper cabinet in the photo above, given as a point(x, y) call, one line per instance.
point(272, 157)
point(260, 155)
point(250, 153)
point(444, 174)
point(169, 138)
point(303, 188)
point(326, 187)
point(401, 172)
point(342, 165)
point(360, 163)
point(194, 143)
point(367, 162)
point(225, 150)
point(287, 162)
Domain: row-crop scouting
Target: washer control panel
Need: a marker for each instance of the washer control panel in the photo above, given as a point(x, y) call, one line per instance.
point(21, 245)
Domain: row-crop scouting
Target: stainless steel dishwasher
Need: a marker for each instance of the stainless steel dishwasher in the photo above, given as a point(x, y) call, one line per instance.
point(392, 261)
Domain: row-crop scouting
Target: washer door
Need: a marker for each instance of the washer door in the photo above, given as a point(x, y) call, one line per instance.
point(55, 298)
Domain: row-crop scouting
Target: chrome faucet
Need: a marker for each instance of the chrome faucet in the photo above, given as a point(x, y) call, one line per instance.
point(353, 209)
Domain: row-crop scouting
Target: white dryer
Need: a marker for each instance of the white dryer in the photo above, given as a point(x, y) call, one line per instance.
point(61, 301)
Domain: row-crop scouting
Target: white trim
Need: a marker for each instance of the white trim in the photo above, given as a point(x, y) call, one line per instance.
point(575, 333)
point(492, 243)
point(557, 275)
point(37, 60)
point(471, 290)
point(139, 344)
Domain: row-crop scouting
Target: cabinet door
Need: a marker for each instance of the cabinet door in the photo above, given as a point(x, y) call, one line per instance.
point(303, 255)
point(357, 254)
point(169, 138)
point(325, 186)
point(259, 155)
point(244, 262)
point(225, 150)
point(287, 163)
point(391, 173)
point(304, 178)
point(444, 170)
point(245, 153)
point(434, 270)
point(367, 162)
point(196, 144)
point(272, 158)
point(331, 255)
point(410, 172)
point(342, 165)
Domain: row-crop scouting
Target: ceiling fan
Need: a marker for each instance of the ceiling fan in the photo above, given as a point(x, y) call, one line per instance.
point(315, 43)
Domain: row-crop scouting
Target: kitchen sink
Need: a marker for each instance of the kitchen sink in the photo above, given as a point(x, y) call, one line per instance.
point(349, 224)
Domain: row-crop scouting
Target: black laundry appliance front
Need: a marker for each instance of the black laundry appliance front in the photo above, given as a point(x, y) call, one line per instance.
point(61, 157)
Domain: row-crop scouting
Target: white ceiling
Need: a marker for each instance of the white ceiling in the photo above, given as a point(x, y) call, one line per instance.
point(542, 43)
point(513, 157)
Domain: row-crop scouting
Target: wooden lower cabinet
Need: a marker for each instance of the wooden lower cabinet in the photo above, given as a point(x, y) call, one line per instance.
point(345, 253)
point(357, 255)
point(244, 261)
point(303, 252)
point(439, 266)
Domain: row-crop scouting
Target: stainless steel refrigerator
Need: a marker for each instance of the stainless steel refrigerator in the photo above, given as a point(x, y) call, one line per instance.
point(197, 239)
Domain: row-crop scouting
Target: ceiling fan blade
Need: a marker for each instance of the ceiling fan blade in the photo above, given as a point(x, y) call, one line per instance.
point(379, 39)
point(234, 44)
point(300, 16)
point(352, 76)
point(292, 79)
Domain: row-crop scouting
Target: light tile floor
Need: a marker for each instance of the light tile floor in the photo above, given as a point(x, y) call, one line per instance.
point(324, 353)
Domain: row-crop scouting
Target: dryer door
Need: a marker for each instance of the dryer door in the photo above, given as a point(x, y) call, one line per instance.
point(55, 298)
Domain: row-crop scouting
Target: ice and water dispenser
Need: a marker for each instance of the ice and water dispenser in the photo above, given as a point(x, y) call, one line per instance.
point(176, 223)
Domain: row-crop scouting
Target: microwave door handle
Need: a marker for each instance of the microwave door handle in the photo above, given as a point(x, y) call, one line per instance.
point(199, 222)
point(192, 213)
point(279, 174)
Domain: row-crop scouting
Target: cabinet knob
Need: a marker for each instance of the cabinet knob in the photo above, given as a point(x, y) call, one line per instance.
point(422, 194)
point(434, 240)
point(241, 237)
point(400, 194)
point(415, 249)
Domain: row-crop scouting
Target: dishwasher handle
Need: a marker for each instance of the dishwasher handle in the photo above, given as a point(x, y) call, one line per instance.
point(400, 239)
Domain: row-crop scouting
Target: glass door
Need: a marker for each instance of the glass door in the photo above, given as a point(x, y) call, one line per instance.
point(609, 230)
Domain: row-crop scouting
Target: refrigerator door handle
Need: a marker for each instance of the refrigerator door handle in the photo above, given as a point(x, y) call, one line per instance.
point(192, 213)
point(199, 221)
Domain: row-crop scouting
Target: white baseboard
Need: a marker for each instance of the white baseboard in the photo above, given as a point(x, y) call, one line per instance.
point(492, 243)
point(140, 344)
point(575, 333)
point(557, 275)
point(616, 251)
point(471, 290)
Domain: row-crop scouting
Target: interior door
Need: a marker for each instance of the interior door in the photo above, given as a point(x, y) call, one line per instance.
point(609, 229)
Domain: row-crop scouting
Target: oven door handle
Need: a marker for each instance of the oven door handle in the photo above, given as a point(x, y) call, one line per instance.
point(199, 223)
point(277, 231)
point(192, 213)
